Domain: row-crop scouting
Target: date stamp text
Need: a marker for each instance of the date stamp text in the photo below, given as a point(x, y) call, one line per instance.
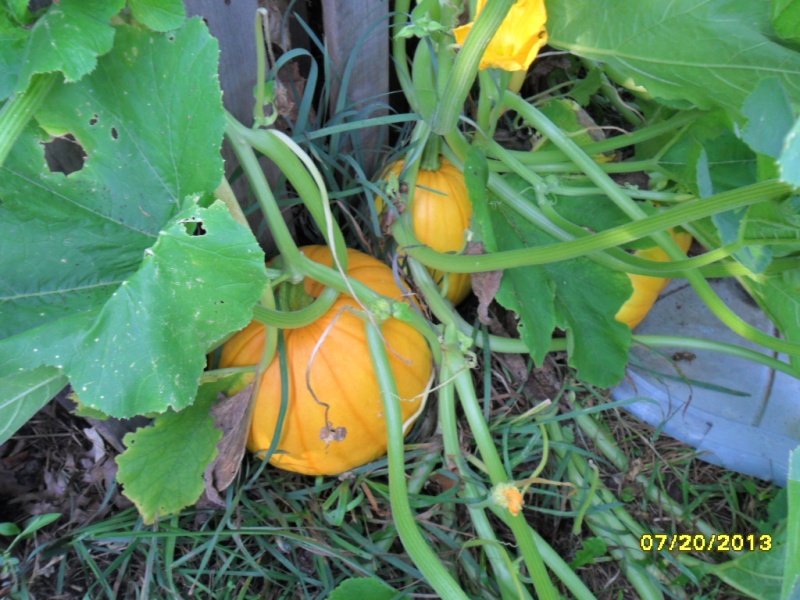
point(700, 542)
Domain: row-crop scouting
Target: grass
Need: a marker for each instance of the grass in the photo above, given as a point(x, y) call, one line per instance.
point(290, 536)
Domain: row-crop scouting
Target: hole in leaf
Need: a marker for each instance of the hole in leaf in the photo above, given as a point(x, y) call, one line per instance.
point(93, 120)
point(114, 133)
point(194, 227)
point(64, 155)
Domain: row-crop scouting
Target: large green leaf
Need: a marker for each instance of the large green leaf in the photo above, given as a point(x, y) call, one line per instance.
point(13, 37)
point(774, 220)
point(162, 468)
point(786, 19)
point(102, 276)
point(144, 349)
point(779, 296)
point(789, 160)
point(769, 115)
point(791, 577)
point(706, 157)
point(67, 38)
point(152, 137)
point(759, 574)
point(363, 587)
point(578, 296)
point(710, 54)
point(777, 293)
point(159, 15)
point(23, 394)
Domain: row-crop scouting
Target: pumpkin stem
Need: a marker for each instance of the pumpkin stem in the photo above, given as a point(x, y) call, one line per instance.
point(431, 159)
point(293, 296)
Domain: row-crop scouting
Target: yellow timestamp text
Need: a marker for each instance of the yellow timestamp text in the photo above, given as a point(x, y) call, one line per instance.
point(700, 542)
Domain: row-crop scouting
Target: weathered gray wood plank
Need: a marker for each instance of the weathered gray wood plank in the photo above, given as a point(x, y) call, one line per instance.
point(346, 22)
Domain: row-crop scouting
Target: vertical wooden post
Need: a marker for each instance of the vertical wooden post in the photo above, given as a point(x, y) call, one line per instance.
point(233, 24)
point(348, 22)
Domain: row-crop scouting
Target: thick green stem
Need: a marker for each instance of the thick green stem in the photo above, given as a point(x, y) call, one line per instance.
point(465, 68)
point(509, 584)
point(670, 341)
point(300, 171)
point(688, 211)
point(401, 8)
point(494, 465)
point(431, 159)
point(237, 135)
point(588, 166)
point(261, 65)
point(547, 157)
point(18, 110)
point(420, 552)
point(298, 318)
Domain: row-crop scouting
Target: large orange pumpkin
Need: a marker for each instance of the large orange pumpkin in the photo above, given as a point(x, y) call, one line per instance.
point(441, 213)
point(340, 374)
point(646, 289)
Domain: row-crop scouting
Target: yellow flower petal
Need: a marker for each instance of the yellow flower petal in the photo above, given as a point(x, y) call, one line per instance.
point(507, 495)
point(518, 40)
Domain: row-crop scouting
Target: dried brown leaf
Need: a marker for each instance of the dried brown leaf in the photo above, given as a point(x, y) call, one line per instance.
point(485, 285)
point(231, 416)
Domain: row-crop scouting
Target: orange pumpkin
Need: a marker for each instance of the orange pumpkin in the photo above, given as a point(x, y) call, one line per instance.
point(340, 374)
point(441, 213)
point(646, 289)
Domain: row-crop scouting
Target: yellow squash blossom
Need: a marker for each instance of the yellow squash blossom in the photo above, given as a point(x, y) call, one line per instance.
point(507, 495)
point(518, 40)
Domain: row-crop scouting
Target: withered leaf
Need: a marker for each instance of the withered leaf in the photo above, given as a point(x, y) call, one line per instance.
point(232, 416)
point(330, 434)
point(485, 285)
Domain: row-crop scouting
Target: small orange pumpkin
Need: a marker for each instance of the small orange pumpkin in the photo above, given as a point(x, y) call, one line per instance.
point(441, 213)
point(341, 376)
point(646, 289)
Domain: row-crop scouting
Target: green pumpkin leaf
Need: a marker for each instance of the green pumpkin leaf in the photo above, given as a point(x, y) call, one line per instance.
point(67, 38)
point(577, 296)
point(707, 54)
point(786, 19)
point(159, 15)
point(774, 220)
point(145, 348)
point(591, 549)
point(709, 149)
point(777, 293)
point(363, 587)
point(103, 276)
point(791, 579)
point(757, 573)
point(789, 160)
point(24, 393)
point(162, 468)
point(769, 115)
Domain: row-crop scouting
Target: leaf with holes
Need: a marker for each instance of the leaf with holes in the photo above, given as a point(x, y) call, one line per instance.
point(144, 349)
point(105, 275)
